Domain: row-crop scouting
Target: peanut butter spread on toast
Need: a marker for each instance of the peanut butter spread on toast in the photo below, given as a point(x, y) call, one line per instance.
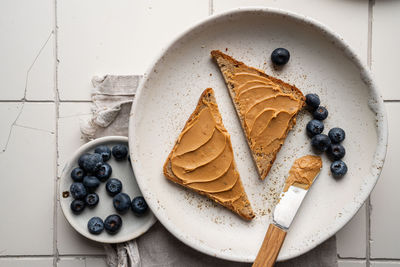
point(266, 110)
point(202, 159)
point(266, 106)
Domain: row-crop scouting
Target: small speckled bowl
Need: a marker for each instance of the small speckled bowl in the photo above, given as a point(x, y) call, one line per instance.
point(132, 226)
point(321, 62)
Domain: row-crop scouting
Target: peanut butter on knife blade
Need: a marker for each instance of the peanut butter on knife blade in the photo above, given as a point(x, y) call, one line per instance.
point(303, 172)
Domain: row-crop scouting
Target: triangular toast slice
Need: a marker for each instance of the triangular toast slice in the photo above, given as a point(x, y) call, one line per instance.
point(266, 106)
point(202, 159)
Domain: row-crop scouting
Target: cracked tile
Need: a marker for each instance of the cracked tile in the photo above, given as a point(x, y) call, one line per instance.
point(351, 263)
point(351, 239)
point(385, 199)
point(117, 37)
point(385, 47)
point(69, 242)
point(23, 262)
point(28, 164)
point(82, 262)
point(28, 51)
point(344, 17)
point(9, 112)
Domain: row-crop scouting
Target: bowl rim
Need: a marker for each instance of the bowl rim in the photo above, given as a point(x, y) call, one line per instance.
point(376, 104)
point(72, 221)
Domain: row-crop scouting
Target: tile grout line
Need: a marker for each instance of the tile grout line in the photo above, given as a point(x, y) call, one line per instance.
point(350, 258)
point(371, 4)
point(368, 202)
point(73, 256)
point(45, 101)
point(16, 257)
point(25, 101)
point(371, 260)
point(391, 101)
point(89, 101)
point(56, 152)
point(210, 7)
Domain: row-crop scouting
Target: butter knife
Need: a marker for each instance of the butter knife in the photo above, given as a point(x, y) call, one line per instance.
point(301, 176)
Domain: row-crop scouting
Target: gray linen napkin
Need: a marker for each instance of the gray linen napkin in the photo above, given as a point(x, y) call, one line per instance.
point(112, 98)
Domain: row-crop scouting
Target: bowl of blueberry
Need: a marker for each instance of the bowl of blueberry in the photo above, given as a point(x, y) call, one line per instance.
point(99, 195)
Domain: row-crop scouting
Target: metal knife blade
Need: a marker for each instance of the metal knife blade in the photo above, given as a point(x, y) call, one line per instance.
point(296, 188)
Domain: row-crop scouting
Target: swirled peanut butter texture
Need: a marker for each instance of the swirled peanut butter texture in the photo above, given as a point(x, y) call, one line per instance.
point(303, 172)
point(203, 158)
point(266, 110)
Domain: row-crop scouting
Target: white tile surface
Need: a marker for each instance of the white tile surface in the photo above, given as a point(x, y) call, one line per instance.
point(24, 262)
point(385, 199)
point(385, 264)
point(347, 18)
point(351, 239)
point(69, 135)
point(69, 242)
point(82, 262)
point(115, 37)
point(25, 27)
point(351, 263)
point(27, 169)
point(385, 47)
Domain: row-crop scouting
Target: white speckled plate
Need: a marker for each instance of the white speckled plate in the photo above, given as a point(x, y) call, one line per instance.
point(132, 226)
point(321, 63)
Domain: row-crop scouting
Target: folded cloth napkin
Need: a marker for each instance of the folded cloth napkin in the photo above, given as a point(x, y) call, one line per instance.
point(112, 98)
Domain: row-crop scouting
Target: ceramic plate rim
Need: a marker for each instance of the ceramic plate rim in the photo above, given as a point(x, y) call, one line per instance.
point(377, 106)
point(71, 220)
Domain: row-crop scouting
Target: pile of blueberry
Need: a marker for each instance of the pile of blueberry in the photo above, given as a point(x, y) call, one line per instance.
point(322, 142)
point(94, 169)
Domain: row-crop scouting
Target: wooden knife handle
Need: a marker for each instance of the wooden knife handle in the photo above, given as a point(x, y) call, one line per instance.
point(270, 247)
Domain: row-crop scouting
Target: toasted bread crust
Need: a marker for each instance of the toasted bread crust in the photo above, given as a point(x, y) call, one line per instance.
point(240, 206)
point(230, 66)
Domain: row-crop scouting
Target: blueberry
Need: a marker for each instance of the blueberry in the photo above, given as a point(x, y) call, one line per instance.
point(120, 152)
point(92, 200)
point(112, 224)
point(280, 56)
point(139, 206)
point(78, 190)
point(113, 186)
point(82, 159)
point(77, 206)
point(314, 127)
point(338, 168)
point(104, 172)
point(95, 225)
point(77, 174)
point(92, 163)
point(104, 151)
point(336, 135)
point(121, 202)
point(336, 151)
point(320, 142)
point(312, 100)
point(321, 113)
point(91, 183)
